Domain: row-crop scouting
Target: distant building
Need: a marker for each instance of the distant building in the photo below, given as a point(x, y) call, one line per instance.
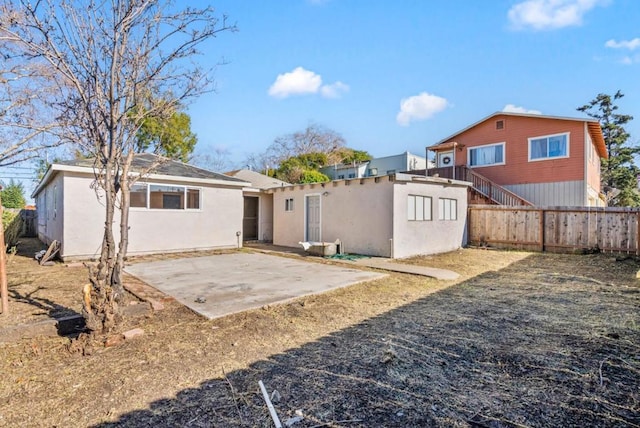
point(375, 167)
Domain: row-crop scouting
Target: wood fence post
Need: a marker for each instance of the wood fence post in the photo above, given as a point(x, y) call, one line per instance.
point(4, 289)
point(638, 233)
point(541, 232)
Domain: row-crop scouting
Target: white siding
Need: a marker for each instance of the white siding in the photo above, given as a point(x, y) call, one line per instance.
point(563, 193)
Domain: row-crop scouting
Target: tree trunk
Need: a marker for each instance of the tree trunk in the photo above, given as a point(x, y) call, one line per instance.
point(101, 305)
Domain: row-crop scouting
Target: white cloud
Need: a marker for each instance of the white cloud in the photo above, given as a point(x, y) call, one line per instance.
point(628, 60)
point(305, 82)
point(296, 82)
point(550, 14)
point(420, 107)
point(335, 90)
point(512, 108)
point(624, 44)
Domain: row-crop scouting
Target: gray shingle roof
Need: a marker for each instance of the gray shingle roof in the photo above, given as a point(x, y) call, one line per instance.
point(257, 180)
point(164, 166)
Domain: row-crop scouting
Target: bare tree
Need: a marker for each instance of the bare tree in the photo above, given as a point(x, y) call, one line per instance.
point(27, 127)
point(218, 160)
point(314, 138)
point(115, 62)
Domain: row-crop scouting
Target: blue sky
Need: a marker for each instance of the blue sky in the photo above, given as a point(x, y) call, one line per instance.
point(397, 76)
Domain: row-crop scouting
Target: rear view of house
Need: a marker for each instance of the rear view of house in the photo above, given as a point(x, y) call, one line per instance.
point(544, 160)
point(176, 207)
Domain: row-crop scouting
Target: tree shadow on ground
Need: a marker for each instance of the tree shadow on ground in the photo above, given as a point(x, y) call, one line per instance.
point(69, 321)
point(519, 347)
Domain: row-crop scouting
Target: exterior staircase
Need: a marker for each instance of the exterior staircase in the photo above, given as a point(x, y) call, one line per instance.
point(483, 190)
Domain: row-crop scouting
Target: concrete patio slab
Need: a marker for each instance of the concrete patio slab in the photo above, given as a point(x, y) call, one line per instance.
point(224, 284)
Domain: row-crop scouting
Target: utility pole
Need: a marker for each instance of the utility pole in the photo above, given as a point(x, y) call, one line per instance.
point(4, 289)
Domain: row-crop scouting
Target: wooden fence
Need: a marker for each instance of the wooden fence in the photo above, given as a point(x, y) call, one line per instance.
point(556, 229)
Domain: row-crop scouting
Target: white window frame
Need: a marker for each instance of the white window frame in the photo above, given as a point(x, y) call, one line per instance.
point(414, 214)
point(504, 155)
point(289, 205)
point(530, 140)
point(447, 209)
point(185, 189)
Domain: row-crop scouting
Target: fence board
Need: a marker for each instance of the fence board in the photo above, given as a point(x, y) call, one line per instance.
point(558, 229)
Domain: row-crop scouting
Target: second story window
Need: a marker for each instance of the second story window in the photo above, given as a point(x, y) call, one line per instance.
point(491, 154)
point(548, 147)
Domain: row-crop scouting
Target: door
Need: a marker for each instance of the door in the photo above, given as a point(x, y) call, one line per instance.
point(445, 159)
point(313, 219)
point(250, 218)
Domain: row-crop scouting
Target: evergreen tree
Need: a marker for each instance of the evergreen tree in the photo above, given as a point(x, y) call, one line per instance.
point(618, 172)
point(13, 195)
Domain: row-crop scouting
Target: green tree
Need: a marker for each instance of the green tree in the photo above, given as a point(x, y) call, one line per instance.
point(348, 155)
point(302, 169)
point(170, 137)
point(618, 172)
point(13, 195)
point(311, 176)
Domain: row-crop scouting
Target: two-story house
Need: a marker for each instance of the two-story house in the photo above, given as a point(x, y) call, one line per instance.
point(544, 160)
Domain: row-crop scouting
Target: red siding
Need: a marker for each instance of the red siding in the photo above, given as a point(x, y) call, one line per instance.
point(517, 168)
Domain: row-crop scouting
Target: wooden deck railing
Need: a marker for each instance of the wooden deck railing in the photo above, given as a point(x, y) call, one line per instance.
point(482, 185)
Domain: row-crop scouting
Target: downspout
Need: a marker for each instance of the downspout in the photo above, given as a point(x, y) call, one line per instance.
point(585, 196)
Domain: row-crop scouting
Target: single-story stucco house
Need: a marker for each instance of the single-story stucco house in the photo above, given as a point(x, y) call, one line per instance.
point(257, 221)
point(176, 207)
point(398, 215)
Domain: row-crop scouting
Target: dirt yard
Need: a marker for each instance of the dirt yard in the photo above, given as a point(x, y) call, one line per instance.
point(521, 339)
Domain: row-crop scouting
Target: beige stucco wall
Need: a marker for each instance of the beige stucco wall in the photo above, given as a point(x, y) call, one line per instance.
point(151, 231)
point(369, 216)
point(428, 237)
point(357, 214)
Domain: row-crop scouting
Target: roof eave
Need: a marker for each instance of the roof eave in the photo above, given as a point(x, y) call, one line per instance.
point(504, 113)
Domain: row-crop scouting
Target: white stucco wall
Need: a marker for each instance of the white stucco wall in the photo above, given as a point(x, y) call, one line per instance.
point(357, 214)
point(370, 217)
point(265, 218)
point(50, 208)
point(428, 237)
point(151, 231)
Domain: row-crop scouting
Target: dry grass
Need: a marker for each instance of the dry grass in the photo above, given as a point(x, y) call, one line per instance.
point(520, 340)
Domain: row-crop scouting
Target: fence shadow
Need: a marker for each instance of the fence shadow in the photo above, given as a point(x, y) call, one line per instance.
point(515, 347)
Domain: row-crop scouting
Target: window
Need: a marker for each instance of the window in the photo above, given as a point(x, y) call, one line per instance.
point(548, 147)
point(418, 208)
point(138, 196)
point(372, 172)
point(341, 177)
point(164, 197)
point(193, 199)
point(499, 124)
point(352, 175)
point(448, 209)
point(288, 204)
point(492, 154)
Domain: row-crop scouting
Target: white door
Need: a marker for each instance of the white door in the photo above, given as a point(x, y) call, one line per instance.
point(313, 219)
point(445, 159)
